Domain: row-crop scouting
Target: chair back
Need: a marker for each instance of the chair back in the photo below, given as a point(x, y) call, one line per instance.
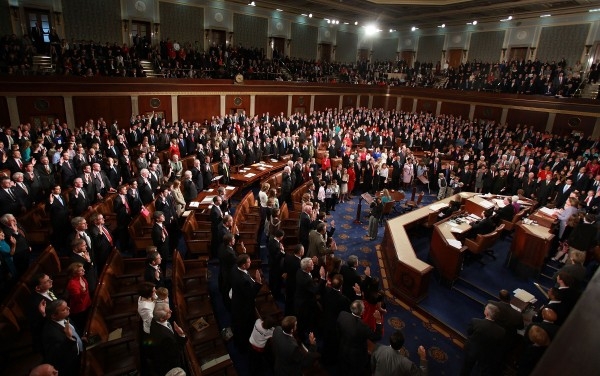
point(420, 198)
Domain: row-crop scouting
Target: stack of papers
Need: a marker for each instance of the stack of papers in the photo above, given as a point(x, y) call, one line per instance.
point(436, 207)
point(194, 204)
point(249, 175)
point(547, 211)
point(475, 217)
point(486, 204)
point(500, 203)
point(523, 295)
point(454, 243)
point(273, 160)
point(207, 200)
point(230, 188)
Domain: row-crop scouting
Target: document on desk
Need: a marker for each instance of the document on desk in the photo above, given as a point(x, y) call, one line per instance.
point(547, 211)
point(230, 188)
point(207, 200)
point(474, 217)
point(194, 204)
point(524, 295)
point(249, 175)
point(436, 207)
point(486, 204)
point(499, 202)
point(273, 160)
point(454, 243)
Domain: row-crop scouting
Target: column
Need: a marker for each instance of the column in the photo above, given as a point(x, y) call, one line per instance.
point(414, 108)
point(135, 108)
point(312, 104)
point(596, 132)
point(174, 108)
point(471, 112)
point(252, 104)
point(370, 105)
point(289, 105)
point(69, 113)
point(550, 122)
point(357, 100)
point(13, 112)
point(398, 104)
point(341, 101)
point(222, 105)
point(438, 108)
point(504, 115)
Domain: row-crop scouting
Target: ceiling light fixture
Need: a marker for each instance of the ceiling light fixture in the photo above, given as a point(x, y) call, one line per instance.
point(545, 15)
point(310, 15)
point(252, 4)
point(472, 23)
point(595, 10)
point(509, 18)
point(279, 10)
point(442, 26)
point(414, 28)
point(371, 29)
point(355, 23)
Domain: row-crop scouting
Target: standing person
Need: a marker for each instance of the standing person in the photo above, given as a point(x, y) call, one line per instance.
point(353, 356)
point(408, 172)
point(344, 186)
point(58, 211)
point(305, 299)
point(376, 213)
point(7, 250)
point(389, 361)
point(290, 358)
point(62, 344)
point(243, 293)
point(227, 258)
point(484, 344)
point(276, 255)
point(79, 295)
point(261, 334)
point(291, 265)
point(168, 341)
point(160, 235)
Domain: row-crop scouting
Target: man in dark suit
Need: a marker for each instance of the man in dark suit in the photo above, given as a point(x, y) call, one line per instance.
point(351, 277)
point(33, 180)
point(581, 180)
point(62, 344)
point(224, 170)
point(305, 298)
point(41, 295)
point(79, 201)
point(216, 217)
point(333, 302)
point(190, 192)
point(197, 177)
point(563, 192)
point(9, 202)
point(153, 272)
point(291, 265)
point(123, 210)
point(353, 356)
point(507, 212)
point(102, 240)
point(485, 226)
point(305, 225)
point(243, 293)
point(484, 344)
point(67, 170)
point(276, 255)
point(167, 341)
point(160, 235)
point(290, 358)
point(508, 318)
point(56, 207)
point(145, 188)
point(227, 259)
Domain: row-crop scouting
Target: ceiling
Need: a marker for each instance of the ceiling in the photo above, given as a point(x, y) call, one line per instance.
point(424, 14)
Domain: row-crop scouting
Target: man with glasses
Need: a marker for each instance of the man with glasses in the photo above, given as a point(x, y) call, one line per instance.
point(42, 295)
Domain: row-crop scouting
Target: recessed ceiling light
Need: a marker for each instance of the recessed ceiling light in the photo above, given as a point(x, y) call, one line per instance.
point(279, 10)
point(346, 23)
point(356, 23)
point(414, 28)
point(545, 15)
point(252, 4)
point(442, 26)
point(474, 22)
point(506, 19)
point(310, 15)
point(595, 10)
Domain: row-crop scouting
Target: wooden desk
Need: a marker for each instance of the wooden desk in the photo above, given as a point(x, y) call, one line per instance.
point(407, 276)
point(207, 196)
point(247, 176)
point(530, 246)
point(446, 248)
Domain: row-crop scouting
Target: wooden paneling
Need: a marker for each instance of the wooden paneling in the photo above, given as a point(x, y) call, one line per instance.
point(326, 101)
point(273, 104)
point(158, 103)
point(236, 102)
point(110, 108)
point(562, 127)
point(407, 104)
point(349, 101)
point(537, 119)
point(488, 113)
point(456, 109)
point(384, 101)
point(198, 107)
point(300, 103)
point(32, 109)
point(4, 118)
point(426, 105)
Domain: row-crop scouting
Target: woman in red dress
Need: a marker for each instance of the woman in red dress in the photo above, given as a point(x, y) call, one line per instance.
point(372, 299)
point(174, 149)
point(351, 180)
point(79, 296)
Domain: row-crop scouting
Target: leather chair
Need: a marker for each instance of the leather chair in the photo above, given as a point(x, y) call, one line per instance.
point(479, 246)
point(509, 226)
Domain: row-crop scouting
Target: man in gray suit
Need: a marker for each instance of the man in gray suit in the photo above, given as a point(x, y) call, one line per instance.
point(389, 361)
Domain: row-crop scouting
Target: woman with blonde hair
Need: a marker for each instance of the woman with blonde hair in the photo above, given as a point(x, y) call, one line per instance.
point(178, 196)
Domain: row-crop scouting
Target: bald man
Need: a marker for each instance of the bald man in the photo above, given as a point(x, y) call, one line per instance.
point(44, 370)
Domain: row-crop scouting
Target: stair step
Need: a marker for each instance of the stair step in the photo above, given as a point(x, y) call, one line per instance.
point(469, 295)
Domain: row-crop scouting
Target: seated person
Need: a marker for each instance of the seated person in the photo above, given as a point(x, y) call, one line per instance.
point(507, 212)
point(485, 226)
point(453, 206)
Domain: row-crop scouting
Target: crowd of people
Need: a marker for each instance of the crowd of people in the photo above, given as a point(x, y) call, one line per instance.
point(172, 59)
point(98, 158)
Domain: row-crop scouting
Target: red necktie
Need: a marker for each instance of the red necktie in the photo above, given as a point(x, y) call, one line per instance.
point(165, 234)
point(107, 234)
point(127, 209)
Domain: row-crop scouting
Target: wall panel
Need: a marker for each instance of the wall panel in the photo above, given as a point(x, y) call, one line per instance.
point(385, 49)
point(562, 127)
point(486, 46)
point(157, 103)
point(487, 113)
point(300, 103)
point(198, 107)
point(426, 105)
point(273, 104)
point(557, 42)
point(304, 41)
point(251, 31)
point(430, 48)
point(456, 109)
point(34, 108)
point(110, 108)
point(537, 119)
point(407, 104)
point(349, 101)
point(346, 47)
point(4, 118)
point(326, 101)
point(384, 101)
point(99, 21)
point(182, 23)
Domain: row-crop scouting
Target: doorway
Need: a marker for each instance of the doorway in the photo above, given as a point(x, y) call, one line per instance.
point(278, 47)
point(325, 54)
point(454, 57)
point(408, 57)
point(217, 38)
point(518, 53)
point(363, 54)
point(142, 30)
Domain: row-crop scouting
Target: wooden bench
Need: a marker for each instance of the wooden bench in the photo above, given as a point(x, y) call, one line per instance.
point(197, 236)
point(140, 232)
point(36, 224)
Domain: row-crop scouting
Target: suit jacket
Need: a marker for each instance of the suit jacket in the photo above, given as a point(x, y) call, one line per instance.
point(225, 173)
point(10, 204)
point(290, 358)
point(150, 276)
point(485, 226)
point(353, 355)
point(36, 320)
point(101, 246)
point(123, 217)
point(78, 203)
point(484, 344)
point(316, 244)
point(60, 351)
point(508, 318)
point(190, 191)
point(146, 191)
point(562, 195)
point(507, 213)
point(305, 298)
point(59, 215)
point(243, 311)
point(159, 240)
point(166, 348)
point(351, 277)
